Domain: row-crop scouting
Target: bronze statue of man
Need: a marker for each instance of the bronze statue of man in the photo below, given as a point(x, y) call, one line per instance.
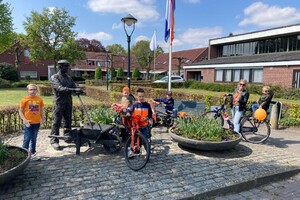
point(63, 86)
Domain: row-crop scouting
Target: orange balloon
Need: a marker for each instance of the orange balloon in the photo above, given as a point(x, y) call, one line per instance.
point(260, 114)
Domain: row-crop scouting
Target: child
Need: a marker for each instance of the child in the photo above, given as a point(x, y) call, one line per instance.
point(264, 100)
point(32, 113)
point(168, 103)
point(142, 109)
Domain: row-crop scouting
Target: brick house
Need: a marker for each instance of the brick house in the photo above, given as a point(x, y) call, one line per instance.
point(268, 57)
point(42, 70)
point(179, 59)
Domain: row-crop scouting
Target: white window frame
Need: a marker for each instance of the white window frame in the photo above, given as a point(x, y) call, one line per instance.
point(32, 74)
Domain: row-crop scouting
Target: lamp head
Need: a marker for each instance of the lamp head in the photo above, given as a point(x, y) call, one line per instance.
point(129, 20)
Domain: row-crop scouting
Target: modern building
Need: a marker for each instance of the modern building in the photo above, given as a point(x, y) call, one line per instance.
point(270, 57)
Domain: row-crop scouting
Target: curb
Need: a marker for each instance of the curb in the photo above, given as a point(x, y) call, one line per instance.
point(247, 185)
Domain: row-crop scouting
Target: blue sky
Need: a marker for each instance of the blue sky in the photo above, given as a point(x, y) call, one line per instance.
point(196, 21)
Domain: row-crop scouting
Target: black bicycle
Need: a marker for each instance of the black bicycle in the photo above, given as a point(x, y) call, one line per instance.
point(162, 118)
point(251, 129)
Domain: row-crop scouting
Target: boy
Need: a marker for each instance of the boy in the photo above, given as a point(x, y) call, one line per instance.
point(31, 112)
point(168, 103)
point(264, 100)
point(142, 109)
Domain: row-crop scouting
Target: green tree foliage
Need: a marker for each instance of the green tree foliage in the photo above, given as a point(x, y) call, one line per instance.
point(6, 26)
point(120, 73)
point(50, 36)
point(136, 73)
point(144, 55)
point(8, 72)
point(98, 73)
point(116, 49)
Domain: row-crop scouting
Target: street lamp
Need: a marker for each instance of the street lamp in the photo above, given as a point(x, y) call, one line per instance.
point(129, 21)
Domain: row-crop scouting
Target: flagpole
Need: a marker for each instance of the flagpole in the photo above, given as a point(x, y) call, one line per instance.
point(154, 63)
point(170, 62)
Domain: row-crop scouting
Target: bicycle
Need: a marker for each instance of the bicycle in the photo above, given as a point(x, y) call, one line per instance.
point(251, 129)
point(137, 146)
point(162, 118)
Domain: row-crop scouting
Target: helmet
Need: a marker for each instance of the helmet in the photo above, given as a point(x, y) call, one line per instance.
point(63, 62)
point(260, 114)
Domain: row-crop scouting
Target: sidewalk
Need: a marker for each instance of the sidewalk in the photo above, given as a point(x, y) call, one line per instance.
point(172, 173)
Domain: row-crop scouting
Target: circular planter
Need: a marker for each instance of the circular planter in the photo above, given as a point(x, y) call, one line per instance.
point(13, 172)
point(204, 145)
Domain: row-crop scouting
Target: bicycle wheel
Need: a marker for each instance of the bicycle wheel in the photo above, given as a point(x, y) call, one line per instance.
point(255, 131)
point(214, 115)
point(138, 158)
point(116, 145)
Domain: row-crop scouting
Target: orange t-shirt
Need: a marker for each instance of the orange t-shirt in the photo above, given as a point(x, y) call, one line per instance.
point(31, 106)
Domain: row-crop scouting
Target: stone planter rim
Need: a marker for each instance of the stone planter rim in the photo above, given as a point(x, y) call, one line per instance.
point(205, 145)
point(15, 171)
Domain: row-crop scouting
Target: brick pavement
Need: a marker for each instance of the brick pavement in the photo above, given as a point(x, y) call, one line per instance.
point(172, 173)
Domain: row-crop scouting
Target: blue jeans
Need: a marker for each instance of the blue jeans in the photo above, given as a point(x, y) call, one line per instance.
point(174, 112)
point(145, 130)
point(237, 116)
point(254, 107)
point(30, 136)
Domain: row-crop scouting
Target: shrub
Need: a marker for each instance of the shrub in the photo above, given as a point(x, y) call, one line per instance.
point(4, 83)
point(135, 73)
point(102, 115)
point(98, 73)
point(120, 73)
point(8, 72)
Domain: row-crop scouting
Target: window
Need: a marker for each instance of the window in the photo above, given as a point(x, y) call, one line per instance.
point(228, 75)
point(31, 74)
point(236, 75)
point(257, 75)
point(26, 53)
point(246, 74)
point(219, 75)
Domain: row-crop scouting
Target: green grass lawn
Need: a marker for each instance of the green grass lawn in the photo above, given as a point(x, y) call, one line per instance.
point(13, 96)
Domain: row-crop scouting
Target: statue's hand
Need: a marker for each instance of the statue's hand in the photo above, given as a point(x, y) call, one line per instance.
point(77, 90)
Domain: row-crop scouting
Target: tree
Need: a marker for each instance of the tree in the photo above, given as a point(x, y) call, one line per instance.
point(49, 36)
point(90, 45)
point(180, 60)
point(8, 72)
point(136, 73)
point(6, 26)
point(116, 49)
point(98, 73)
point(144, 55)
point(120, 73)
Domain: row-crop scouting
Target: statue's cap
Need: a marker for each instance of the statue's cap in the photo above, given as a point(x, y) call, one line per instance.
point(63, 62)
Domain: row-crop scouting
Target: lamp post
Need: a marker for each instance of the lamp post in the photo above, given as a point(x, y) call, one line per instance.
point(129, 21)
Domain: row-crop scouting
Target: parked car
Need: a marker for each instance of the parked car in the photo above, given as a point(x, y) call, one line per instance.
point(174, 79)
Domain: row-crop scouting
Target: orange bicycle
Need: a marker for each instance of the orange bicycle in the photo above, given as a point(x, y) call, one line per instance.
point(137, 147)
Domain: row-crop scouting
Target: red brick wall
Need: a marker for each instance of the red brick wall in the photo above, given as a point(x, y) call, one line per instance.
point(282, 76)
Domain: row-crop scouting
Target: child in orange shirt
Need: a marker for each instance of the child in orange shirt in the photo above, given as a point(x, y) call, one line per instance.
point(31, 112)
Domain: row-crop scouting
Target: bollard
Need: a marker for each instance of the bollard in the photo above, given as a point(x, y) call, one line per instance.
point(274, 117)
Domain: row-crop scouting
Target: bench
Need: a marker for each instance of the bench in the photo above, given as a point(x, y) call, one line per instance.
point(189, 107)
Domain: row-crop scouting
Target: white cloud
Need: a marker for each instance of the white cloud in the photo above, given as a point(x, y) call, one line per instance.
point(141, 37)
point(264, 15)
point(198, 37)
point(143, 10)
point(97, 36)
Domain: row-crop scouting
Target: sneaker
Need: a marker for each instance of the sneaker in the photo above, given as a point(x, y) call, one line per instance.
point(130, 153)
point(34, 157)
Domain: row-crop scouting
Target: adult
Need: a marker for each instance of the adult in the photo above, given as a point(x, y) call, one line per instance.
point(239, 103)
point(63, 86)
